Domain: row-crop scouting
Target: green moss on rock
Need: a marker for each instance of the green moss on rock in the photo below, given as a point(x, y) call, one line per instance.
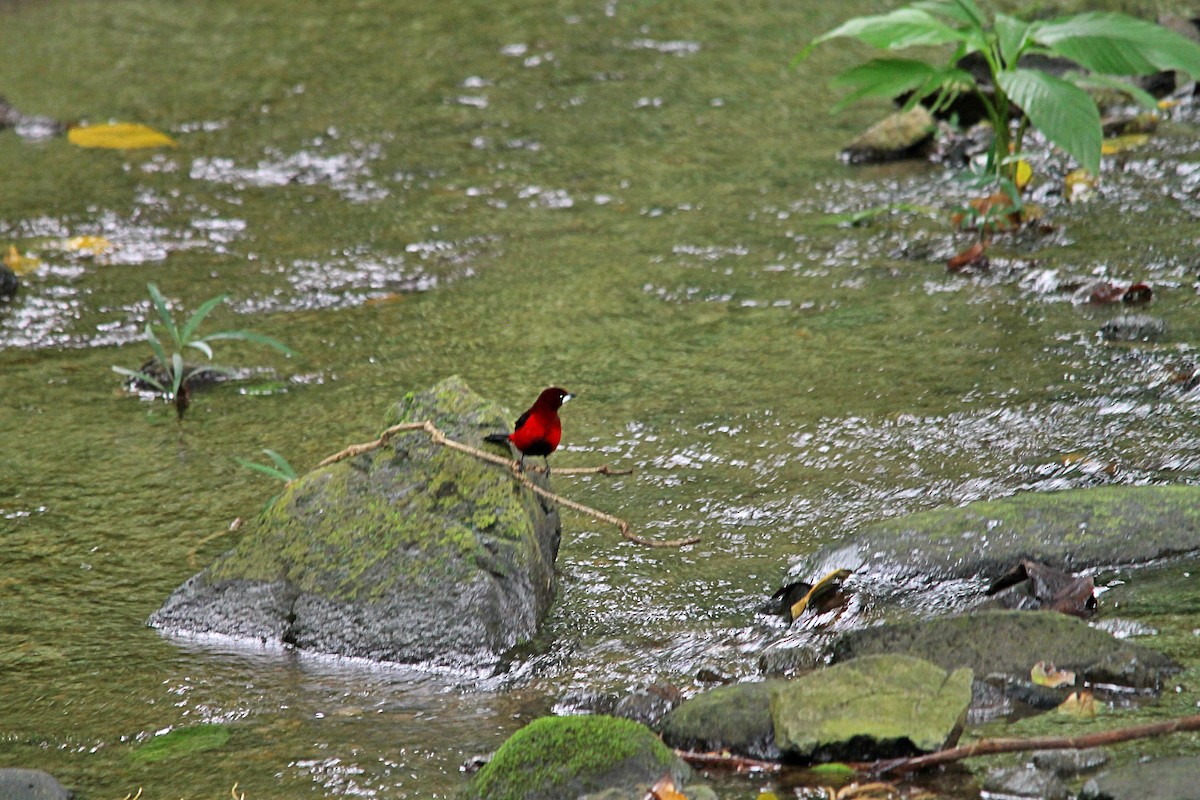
point(561, 757)
point(409, 531)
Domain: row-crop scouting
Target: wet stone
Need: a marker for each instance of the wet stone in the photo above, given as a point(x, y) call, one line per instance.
point(1070, 762)
point(736, 718)
point(30, 784)
point(1161, 779)
point(1024, 781)
point(1134, 328)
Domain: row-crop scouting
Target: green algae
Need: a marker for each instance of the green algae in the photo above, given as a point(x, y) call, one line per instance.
point(556, 757)
point(336, 531)
point(181, 742)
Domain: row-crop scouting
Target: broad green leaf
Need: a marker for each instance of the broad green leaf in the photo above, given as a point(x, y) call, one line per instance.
point(164, 312)
point(1013, 35)
point(1140, 95)
point(119, 136)
point(1064, 113)
point(1119, 44)
point(904, 27)
point(138, 375)
point(884, 77)
point(194, 321)
point(251, 336)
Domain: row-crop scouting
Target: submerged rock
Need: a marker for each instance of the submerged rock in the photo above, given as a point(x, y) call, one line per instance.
point(1006, 645)
point(408, 553)
point(875, 707)
point(553, 758)
point(1134, 328)
point(904, 134)
point(736, 718)
point(1024, 781)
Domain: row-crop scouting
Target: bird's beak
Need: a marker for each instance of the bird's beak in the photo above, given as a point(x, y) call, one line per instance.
point(567, 397)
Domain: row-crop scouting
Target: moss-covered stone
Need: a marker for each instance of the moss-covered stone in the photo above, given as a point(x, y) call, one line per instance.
point(409, 552)
point(560, 757)
point(873, 707)
point(736, 718)
point(1009, 643)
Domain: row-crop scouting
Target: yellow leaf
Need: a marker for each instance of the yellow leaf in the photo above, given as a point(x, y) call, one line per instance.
point(20, 264)
point(665, 789)
point(1079, 704)
point(1121, 144)
point(824, 586)
point(119, 136)
point(88, 245)
point(1080, 186)
point(1023, 174)
point(1043, 675)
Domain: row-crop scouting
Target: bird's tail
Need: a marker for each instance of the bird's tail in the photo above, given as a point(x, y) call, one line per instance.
point(496, 438)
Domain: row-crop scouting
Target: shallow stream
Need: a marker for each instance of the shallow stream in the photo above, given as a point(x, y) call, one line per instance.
point(626, 199)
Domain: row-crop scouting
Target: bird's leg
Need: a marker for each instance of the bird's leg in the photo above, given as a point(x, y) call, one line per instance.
point(546, 461)
point(521, 463)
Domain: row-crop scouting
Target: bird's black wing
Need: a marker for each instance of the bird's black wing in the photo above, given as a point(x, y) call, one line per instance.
point(521, 420)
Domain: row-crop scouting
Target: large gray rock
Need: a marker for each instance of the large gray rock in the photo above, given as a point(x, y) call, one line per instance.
point(412, 552)
point(736, 718)
point(1009, 643)
point(1158, 779)
point(943, 559)
point(30, 784)
point(868, 708)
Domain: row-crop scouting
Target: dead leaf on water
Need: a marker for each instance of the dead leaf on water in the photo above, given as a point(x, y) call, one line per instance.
point(119, 136)
point(1123, 144)
point(1046, 675)
point(664, 789)
point(1079, 704)
point(20, 264)
point(88, 246)
point(1079, 186)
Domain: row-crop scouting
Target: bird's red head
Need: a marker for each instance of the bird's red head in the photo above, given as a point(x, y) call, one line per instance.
point(552, 399)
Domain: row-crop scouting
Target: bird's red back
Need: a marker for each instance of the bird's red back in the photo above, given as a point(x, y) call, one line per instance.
point(538, 431)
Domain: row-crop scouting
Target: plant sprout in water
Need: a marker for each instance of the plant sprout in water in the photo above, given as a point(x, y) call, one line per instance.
point(173, 375)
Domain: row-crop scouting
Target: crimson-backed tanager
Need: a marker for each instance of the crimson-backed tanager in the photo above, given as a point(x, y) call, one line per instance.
point(538, 431)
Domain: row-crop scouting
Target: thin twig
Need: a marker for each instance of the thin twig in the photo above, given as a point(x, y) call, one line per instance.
point(728, 761)
point(437, 437)
point(985, 747)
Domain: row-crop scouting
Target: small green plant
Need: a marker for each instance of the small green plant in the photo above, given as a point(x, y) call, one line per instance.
point(172, 375)
point(1102, 44)
point(282, 471)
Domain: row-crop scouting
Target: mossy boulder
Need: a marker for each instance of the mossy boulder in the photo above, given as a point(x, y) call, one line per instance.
point(1008, 643)
point(736, 718)
point(869, 708)
point(412, 552)
point(553, 758)
point(936, 560)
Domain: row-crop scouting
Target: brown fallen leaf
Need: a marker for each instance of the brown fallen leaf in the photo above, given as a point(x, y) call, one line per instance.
point(1079, 704)
point(664, 789)
point(1044, 587)
point(973, 256)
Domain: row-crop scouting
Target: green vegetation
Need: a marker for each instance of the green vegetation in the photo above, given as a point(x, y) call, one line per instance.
point(169, 374)
point(569, 756)
point(182, 741)
point(1102, 44)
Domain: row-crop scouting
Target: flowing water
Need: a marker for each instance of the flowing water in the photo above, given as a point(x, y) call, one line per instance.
point(628, 199)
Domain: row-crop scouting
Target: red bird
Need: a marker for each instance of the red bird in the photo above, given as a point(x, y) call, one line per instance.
point(538, 431)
